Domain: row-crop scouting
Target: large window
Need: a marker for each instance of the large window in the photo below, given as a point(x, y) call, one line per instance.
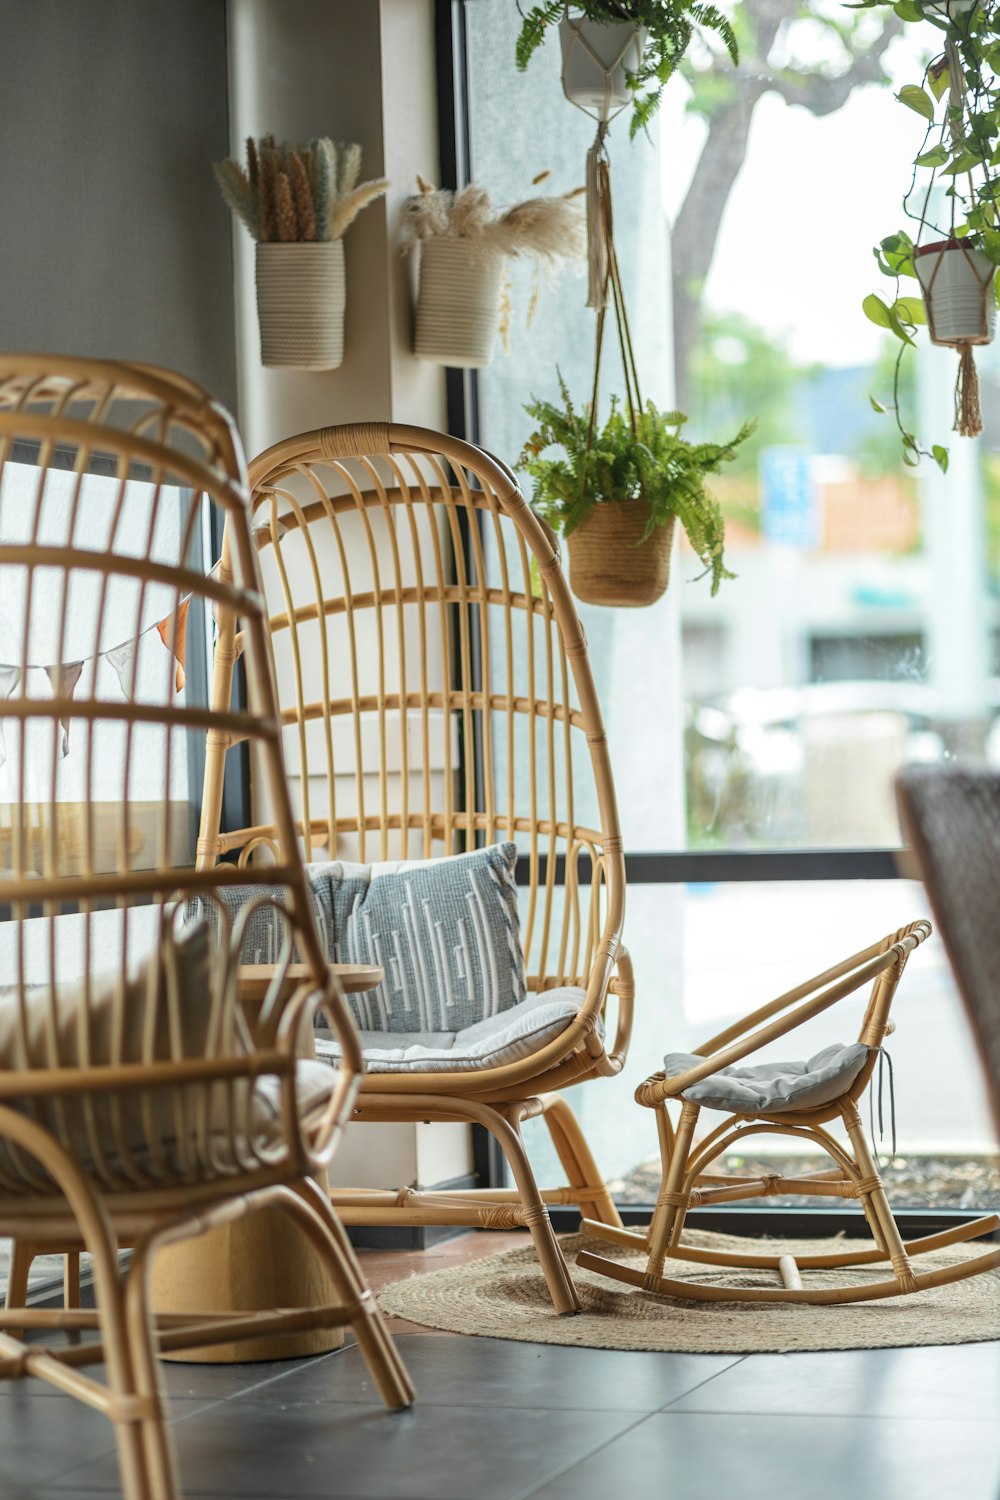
point(860, 631)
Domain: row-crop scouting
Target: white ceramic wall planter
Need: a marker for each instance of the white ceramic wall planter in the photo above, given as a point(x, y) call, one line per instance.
point(458, 304)
point(957, 286)
point(596, 58)
point(300, 304)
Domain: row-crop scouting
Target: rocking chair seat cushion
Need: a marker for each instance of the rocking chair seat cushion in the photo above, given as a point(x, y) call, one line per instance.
point(506, 1038)
point(771, 1087)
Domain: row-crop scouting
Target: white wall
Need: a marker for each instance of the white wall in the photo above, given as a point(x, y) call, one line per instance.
point(355, 70)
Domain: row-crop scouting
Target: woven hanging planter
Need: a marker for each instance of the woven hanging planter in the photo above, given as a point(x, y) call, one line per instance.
point(300, 304)
point(610, 564)
point(956, 282)
point(458, 305)
point(597, 56)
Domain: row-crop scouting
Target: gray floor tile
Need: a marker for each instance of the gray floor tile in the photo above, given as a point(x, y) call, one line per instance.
point(503, 1373)
point(254, 1448)
point(40, 1440)
point(957, 1381)
point(692, 1455)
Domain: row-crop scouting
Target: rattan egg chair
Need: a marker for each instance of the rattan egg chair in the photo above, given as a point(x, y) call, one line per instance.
point(137, 1107)
point(796, 1099)
point(436, 695)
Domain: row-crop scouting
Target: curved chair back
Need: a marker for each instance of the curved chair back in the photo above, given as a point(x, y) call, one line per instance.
point(433, 679)
point(109, 477)
point(950, 817)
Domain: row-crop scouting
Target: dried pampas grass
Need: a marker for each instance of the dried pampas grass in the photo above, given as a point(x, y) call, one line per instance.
point(294, 192)
point(546, 230)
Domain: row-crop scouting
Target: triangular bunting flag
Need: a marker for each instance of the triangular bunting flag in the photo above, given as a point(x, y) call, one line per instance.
point(173, 634)
point(64, 679)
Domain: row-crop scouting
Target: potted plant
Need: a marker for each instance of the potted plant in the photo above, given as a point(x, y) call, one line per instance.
point(297, 201)
point(465, 244)
point(615, 51)
point(618, 492)
point(954, 202)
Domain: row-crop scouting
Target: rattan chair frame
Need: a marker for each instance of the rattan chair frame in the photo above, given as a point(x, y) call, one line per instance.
point(386, 477)
point(687, 1181)
point(950, 817)
point(136, 1194)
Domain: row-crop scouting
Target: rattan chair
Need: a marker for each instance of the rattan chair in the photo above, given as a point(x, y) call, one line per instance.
point(951, 821)
point(798, 1100)
point(136, 1105)
point(436, 695)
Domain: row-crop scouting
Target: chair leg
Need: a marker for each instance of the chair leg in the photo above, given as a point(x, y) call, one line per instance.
point(505, 1127)
point(136, 1407)
point(319, 1219)
point(578, 1162)
point(21, 1257)
point(668, 1215)
point(873, 1191)
point(71, 1278)
point(159, 1458)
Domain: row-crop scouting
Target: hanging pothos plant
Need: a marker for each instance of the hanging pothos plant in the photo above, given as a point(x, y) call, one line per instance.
point(668, 26)
point(951, 252)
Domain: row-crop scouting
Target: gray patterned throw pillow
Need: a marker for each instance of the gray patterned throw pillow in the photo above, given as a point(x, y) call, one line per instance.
point(445, 931)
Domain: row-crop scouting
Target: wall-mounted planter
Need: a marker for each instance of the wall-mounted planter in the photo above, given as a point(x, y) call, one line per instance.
point(458, 305)
point(300, 304)
point(957, 287)
point(610, 564)
point(596, 57)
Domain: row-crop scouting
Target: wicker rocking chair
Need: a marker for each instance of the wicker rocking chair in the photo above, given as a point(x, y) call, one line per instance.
point(434, 685)
point(136, 1106)
point(792, 1099)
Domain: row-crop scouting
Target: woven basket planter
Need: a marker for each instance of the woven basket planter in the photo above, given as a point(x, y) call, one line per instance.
point(300, 304)
point(458, 306)
point(606, 566)
point(957, 287)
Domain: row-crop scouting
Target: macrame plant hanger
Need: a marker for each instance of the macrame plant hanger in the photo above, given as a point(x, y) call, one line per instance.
point(604, 275)
point(968, 414)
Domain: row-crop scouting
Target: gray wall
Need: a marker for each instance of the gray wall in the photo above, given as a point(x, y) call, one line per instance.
point(113, 239)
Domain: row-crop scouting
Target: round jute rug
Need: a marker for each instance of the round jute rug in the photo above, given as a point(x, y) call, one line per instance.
point(504, 1296)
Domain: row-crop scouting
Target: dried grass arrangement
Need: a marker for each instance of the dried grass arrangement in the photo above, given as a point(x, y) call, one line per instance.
point(291, 192)
point(297, 200)
point(466, 243)
point(548, 230)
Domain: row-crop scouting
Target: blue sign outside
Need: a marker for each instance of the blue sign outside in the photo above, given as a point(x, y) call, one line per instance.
point(789, 504)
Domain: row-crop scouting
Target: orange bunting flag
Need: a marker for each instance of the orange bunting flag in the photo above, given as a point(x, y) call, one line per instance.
point(173, 634)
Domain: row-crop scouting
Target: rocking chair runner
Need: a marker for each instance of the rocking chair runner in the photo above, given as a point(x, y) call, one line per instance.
point(434, 685)
point(136, 1107)
point(797, 1100)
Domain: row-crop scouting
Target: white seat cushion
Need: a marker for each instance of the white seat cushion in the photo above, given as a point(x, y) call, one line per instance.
point(158, 1021)
point(768, 1088)
point(512, 1035)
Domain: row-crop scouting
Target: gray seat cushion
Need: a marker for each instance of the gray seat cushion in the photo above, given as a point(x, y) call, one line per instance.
point(770, 1087)
point(506, 1038)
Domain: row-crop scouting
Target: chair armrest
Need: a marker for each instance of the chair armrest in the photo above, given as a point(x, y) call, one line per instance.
point(622, 986)
point(658, 1088)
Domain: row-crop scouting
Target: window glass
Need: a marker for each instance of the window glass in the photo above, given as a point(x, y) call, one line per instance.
point(860, 631)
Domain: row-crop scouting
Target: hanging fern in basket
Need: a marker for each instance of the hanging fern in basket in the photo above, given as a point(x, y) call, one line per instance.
point(613, 463)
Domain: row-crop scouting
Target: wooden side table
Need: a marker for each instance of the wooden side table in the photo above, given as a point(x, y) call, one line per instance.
point(258, 1262)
